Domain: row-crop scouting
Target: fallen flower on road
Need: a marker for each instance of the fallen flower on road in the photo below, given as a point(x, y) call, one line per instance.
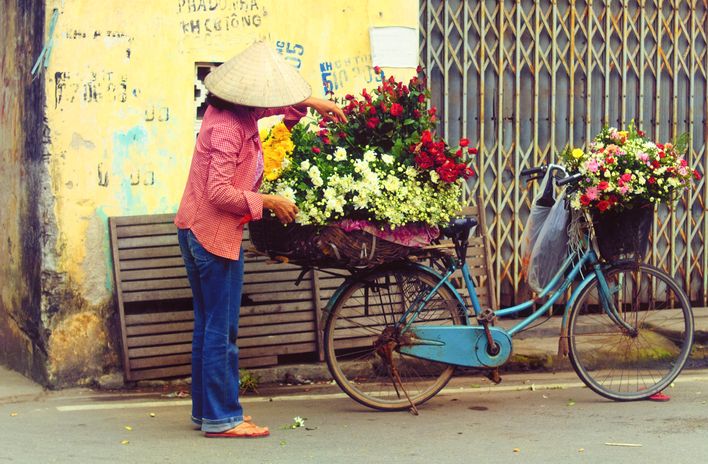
point(124, 442)
point(152, 414)
point(13, 414)
point(128, 428)
point(571, 403)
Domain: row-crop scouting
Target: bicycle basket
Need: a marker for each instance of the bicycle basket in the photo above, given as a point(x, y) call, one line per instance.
point(323, 246)
point(624, 234)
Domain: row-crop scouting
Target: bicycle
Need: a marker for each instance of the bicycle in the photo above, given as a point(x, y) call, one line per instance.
point(393, 335)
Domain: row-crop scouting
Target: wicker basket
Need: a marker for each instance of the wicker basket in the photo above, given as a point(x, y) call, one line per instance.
point(323, 246)
point(624, 234)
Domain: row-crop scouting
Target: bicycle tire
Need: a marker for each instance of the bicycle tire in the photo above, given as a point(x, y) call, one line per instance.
point(638, 358)
point(364, 315)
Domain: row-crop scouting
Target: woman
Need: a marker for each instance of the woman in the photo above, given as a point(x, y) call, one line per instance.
point(219, 198)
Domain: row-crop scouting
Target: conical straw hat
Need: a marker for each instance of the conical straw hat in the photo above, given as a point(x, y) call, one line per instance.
point(258, 77)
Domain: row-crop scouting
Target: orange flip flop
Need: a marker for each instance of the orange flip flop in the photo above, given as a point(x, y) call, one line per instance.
point(245, 419)
point(243, 430)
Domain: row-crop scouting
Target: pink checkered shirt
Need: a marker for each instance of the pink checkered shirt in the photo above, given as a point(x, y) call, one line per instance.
point(226, 171)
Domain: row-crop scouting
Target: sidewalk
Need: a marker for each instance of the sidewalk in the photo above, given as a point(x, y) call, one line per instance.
point(15, 387)
point(534, 350)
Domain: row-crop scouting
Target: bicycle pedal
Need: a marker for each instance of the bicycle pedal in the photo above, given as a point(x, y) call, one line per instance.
point(494, 376)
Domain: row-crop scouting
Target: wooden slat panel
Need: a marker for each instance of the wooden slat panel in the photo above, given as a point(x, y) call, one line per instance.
point(276, 340)
point(152, 329)
point(151, 263)
point(159, 373)
point(151, 318)
point(285, 289)
point(160, 350)
point(145, 274)
point(145, 230)
point(157, 295)
point(163, 339)
point(156, 284)
point(150, 241)
point(143, 219)
point(170, 360)
point(274, 330)
point(282, 318)
point(244, 351)
point(170, 251)
point(291, 348)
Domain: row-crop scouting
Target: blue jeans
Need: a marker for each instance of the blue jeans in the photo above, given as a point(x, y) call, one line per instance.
point(216, 290)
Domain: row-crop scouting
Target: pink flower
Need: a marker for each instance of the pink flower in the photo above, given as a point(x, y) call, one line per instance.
point(591, 193)
point(592, 165)
point(644, 157)
point(623, 189)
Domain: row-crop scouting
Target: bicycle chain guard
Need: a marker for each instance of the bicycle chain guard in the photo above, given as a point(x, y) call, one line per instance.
point(457, 345)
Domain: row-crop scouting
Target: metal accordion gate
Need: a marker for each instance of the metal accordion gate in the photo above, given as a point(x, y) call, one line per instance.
point(524, 78)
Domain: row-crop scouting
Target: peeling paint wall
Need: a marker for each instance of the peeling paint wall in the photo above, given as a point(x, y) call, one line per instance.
point(22, 341)
point(121, 116)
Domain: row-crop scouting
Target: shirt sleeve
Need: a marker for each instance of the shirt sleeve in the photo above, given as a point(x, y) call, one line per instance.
point(291, 114)
point(226, 148)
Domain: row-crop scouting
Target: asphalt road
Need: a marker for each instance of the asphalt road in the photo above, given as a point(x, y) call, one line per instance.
point(534, 418)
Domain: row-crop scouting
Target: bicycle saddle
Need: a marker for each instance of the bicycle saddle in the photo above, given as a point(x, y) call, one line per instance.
point(459, 229)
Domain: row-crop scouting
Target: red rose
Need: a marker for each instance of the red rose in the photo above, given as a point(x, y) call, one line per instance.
point(464, 142)
point(469, 172)
point(609, 160)
point(651, 180)
point(660, 146)
point(426, 137)
point(421, 98)
point(416, 114)
point(384, 108)
point(419, 69)
point(396, 110)
point(603, 185)
point(349, 97)
point(603, 205)
point(626, 177)
point(662, 155)
point(316, 150)
point(584, 200)
point(655, 164)
point(472, 151)
point(684, 163)
point(372, 123)
point(432, 111)
point(423, 160)
point(458, 153)
point(640, 133)
point(377, 70)
point(697, 175)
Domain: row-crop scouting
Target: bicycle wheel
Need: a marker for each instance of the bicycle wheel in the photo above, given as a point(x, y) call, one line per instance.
point(365, 330)
point(641, 350)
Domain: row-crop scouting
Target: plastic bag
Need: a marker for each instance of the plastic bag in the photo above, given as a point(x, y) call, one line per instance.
point(551, 247)
point(534, 223)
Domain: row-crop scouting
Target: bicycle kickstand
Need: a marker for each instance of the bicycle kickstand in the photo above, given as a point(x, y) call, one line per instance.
point(385, 352)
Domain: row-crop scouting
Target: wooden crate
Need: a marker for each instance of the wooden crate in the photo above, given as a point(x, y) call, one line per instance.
point(154, 303)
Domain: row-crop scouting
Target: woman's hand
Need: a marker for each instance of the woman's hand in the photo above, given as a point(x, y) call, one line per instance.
point(328, 109)
point(283, 208)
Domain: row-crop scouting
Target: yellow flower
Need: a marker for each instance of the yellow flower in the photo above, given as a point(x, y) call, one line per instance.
point(277, 145)
point(577, 153)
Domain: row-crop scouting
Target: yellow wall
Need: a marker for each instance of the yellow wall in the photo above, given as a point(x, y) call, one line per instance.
point(120, 92)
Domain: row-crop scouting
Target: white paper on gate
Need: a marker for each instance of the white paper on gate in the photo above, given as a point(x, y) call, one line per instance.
point(394, 46)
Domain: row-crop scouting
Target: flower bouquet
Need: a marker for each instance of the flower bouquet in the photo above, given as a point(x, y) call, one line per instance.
point(624, 175)
point(382, 179)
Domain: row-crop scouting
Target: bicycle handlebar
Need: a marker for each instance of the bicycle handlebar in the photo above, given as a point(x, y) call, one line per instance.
point(532, 171)
point(569, 180)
